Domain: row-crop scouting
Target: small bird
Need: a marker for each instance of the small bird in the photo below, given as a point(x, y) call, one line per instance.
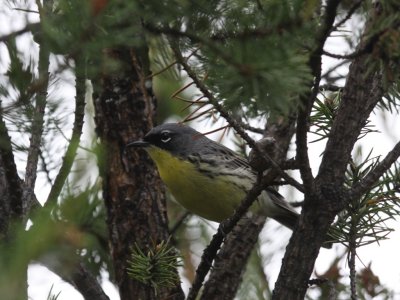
point(207, 178)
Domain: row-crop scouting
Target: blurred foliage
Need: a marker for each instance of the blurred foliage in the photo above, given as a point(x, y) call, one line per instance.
point(87, 213)
point(255, 285)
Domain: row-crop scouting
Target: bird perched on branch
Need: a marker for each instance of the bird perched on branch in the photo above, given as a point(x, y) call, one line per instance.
point(207, 178)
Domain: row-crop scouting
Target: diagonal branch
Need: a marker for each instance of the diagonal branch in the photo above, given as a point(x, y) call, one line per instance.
point(349, 14)
point(224, 228)
point(86, 283)
point(229, 265)
point(36, 132)
point(365, 184)
point(235, 124)
point(75, 138)
point(28, 28)
point(77, 275)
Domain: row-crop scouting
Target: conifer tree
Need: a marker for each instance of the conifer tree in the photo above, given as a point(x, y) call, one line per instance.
point(73, 199)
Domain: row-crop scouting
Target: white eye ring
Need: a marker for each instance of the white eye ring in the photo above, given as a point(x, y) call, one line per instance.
point(165, 137)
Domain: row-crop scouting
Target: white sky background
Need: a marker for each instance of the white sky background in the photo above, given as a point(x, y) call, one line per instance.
point(384, 257)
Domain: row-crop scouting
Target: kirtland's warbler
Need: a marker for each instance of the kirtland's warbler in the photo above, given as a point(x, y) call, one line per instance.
point(208, 178)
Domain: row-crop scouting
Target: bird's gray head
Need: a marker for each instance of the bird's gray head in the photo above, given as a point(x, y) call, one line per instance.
point(178, 139)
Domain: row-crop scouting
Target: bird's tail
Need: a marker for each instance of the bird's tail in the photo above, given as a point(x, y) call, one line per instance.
point(276, 207)
point(287, 218)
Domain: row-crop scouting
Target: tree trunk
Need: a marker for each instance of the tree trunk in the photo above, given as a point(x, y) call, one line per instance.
point(361, 93)
point(133, 192)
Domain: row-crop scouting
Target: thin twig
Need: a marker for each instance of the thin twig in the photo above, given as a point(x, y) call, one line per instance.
point(327, 74)
point(352, 258)
point(346, 56)
point(192, 102)
point(178, 223)
point(229, 60)
point(349, 14)
point(181, 89)
point(161, 71)
point(75, 138)
point(28, 28)
point(193, 116)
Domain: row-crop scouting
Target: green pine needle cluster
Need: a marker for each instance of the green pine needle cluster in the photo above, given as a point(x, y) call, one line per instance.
point(324, 113)
point(157, 267)
point(365, 219)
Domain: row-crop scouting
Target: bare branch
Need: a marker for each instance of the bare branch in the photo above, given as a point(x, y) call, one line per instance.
point(36, 132)
point(79, 276)
point(86, 284)
point(352, 260)
point(349, 14)
point(228, 267)
point(28, 28)
point(75, 138)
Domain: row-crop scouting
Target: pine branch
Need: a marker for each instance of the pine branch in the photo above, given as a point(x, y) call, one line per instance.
point(235, 124)
point(36, 131)
point(367, 182)
point(308, 99)
point(365, 49)
point(172, 32)
point(328, 195)
point(70, 154)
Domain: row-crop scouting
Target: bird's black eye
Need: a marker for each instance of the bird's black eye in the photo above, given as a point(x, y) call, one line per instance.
point(165, 136)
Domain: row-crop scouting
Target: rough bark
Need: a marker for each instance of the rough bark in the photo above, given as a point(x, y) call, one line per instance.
point(10, 184)
point(133, 193)
point(231, 260)
point(362, 91)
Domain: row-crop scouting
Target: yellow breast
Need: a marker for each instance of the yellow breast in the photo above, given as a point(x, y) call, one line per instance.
point(211, 198)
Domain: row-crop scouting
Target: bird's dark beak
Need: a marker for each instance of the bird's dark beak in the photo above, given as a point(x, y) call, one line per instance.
point(137, 144)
